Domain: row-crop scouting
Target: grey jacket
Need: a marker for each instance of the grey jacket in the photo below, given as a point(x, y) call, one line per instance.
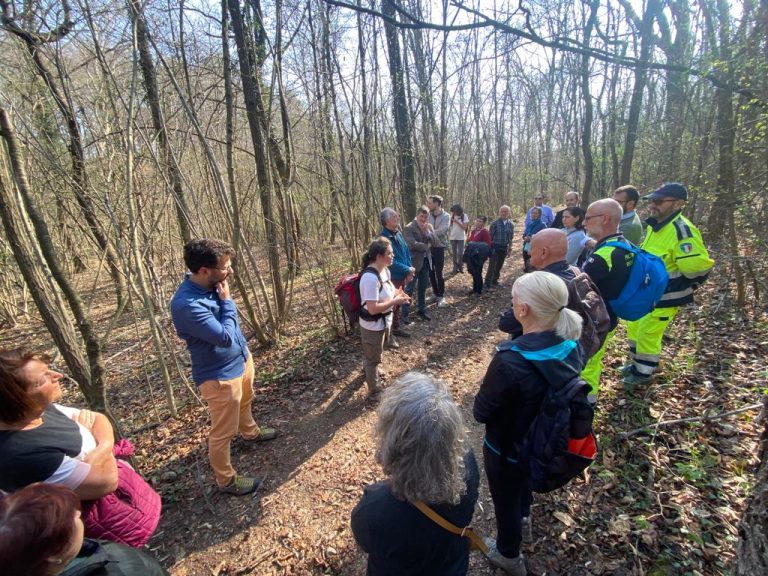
point(441, 224)
point(419, 244)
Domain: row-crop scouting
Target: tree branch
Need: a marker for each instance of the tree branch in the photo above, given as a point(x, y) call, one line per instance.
point(560, 43)
point(625, 435)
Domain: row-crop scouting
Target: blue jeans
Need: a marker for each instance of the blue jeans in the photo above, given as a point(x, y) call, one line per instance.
point(421, 278)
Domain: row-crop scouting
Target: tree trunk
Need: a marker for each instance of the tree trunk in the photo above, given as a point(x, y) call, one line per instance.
point(254, 105)
point(402, 119)
point(586, 134)
point(38, 263)
point(725, 125)
point(752, 549)
point(636, 102)
point(149, 75)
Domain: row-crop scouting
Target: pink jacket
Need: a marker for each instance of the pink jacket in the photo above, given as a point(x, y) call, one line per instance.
point(128, 515)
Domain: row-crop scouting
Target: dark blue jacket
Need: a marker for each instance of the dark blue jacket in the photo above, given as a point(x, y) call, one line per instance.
point(211, 328)
point(401, 264)
point(515, 383)
point(533, 227)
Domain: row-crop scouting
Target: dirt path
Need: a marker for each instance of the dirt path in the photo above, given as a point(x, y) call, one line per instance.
point(665, 502)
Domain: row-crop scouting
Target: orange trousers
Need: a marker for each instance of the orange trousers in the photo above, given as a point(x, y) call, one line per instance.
point(229, 404)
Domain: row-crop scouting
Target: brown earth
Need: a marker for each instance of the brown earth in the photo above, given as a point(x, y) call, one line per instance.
point(661, 501)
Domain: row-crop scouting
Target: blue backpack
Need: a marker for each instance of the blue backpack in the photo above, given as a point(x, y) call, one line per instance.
point(560, 443)
point(645, 286)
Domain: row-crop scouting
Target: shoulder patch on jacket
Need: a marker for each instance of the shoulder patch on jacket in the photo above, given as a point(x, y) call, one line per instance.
point(682, 229)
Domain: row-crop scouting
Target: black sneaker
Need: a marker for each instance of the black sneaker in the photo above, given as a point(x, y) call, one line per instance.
point(424, 316)
point(402, 333)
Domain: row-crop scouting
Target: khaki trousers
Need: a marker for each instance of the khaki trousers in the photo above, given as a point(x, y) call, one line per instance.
point(373, 345)
point(229, 404)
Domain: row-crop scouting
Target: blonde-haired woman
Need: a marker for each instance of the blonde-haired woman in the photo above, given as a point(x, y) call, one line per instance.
point(510, 396)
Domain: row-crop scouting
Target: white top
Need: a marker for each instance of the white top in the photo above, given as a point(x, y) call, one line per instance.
point(369, 292)
point(455, 232)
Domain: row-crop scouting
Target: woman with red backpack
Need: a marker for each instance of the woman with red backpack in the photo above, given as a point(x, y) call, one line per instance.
point(378, 296)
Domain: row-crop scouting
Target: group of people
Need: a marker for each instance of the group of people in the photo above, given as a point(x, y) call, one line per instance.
point(415, 521)
point(71, 500)
point(71, 503)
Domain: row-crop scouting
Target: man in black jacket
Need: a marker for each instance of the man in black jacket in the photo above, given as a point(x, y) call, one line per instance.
point(572, 200)
point(548, 250)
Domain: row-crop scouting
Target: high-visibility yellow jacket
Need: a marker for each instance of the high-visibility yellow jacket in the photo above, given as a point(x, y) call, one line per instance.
point(678, 243)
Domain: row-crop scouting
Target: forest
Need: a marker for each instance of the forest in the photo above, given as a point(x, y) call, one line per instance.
point(283, 128)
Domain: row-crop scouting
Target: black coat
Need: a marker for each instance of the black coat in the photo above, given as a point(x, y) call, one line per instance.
point(102, 558)
point(401, 541)
point(513, 387)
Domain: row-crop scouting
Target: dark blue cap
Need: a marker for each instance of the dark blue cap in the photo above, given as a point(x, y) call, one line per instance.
point(670, 190)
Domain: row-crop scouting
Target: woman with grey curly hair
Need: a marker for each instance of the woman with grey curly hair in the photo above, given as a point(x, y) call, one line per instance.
point(423, 451)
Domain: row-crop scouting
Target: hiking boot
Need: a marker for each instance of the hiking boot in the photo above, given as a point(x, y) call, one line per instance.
point(626, 369)
point(240, 486)
point(424, 316)
point(527, 529)
point(400, 332)
point(392, 343)
point(633, 379)
point(441, 302)
point(511, 566)
point(264, 435)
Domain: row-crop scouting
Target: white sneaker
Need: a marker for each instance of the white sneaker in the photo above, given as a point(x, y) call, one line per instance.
point(441, 302)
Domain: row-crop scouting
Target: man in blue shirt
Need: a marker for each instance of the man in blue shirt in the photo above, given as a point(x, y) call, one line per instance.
point(205, 316)
point(547, 214)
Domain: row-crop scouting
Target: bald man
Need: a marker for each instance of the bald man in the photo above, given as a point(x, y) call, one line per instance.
point(609, 269)
point(548, 250)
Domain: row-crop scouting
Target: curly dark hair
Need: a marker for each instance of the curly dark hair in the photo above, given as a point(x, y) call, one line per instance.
point(377, 247)
point(205, 253)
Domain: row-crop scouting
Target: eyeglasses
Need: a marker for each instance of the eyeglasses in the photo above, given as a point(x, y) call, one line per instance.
point(227, 269)
point(587, 218)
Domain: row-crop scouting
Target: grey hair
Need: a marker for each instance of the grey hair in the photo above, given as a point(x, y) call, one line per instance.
point(385, 215)
point(547, 296)
point(422, 440)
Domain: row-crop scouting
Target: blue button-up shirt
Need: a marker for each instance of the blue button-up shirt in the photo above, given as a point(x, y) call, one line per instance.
point(211, 329)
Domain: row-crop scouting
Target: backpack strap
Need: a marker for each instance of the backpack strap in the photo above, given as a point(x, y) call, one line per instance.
point(628, 246)
point(372, 270)
point(366, 315)
point(476, 542)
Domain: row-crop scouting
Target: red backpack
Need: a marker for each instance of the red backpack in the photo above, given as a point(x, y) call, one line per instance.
point(348, 293)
